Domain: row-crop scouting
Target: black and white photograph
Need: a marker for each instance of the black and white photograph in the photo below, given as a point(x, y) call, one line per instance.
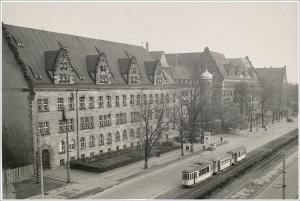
point(150, 100)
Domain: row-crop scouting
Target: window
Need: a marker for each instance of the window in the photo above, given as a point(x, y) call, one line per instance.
point(121, 118)
point(72, 144)
point(108, 98)
point(92, 141)
point(135, 116)
point(108, 120)
point(62, 162)
point(46, 128)
point(117, 118)
point(138, 132)
point(117, 101)
point(82, 142)
point(117, 136)
point(108, 138)
point(124, 100)
point(61, 146)
point(156, 98)
point(173, 97)
point(145, 98)
point(103, 68)
point(124, 135)
point(131, 99)
point(86, 122)
point(42, 105)
point(81, 102)
point(82, 155)
point(101, 139)
point(167, 98)
point(91, 102)
point(60, 103)
point(131, 134)
point(61, 127)
point(100, 101)
point(150, 98)
point(138, 99)
point(162, 98)
point(104, 120)
point(71, 103)
point(40, 127)
point(71, 124)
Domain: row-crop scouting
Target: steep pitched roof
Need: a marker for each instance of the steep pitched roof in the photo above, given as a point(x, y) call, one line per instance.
point(50, 57)
point(188, 60)
point(92, 61)
point(221, 61)
point(275, 75)
point(124, 65)
point(150, 67)
point(156, 54)
point(37, 42)
point(184, 73)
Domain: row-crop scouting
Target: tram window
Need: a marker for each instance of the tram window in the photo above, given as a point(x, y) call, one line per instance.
point(202, 171)
point(207, 169)
point(184, 176)
point(192, 175)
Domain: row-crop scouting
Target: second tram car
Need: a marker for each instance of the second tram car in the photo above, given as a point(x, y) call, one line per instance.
point(221, 163)
point(237, 155)
point(197, 173)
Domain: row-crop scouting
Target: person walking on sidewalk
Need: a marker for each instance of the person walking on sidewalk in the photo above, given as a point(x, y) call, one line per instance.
point(187, 147)
point(221, 139)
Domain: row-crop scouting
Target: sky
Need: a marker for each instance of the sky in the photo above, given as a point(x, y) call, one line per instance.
point(266, 32)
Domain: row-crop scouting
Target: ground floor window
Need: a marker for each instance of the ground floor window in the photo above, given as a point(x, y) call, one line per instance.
point(82, 155)
point(62, 162)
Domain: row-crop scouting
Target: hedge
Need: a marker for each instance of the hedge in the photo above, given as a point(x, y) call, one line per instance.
point(102, 163)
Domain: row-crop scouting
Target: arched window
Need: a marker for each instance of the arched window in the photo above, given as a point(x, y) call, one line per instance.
point(62, 146)
point(131, 133)
point(108, 139)
point(101, 139)
point(124, 135)
point(92, 141)
point(117, 136)
point(138, 132)
point(82, 142)
point(72, 144)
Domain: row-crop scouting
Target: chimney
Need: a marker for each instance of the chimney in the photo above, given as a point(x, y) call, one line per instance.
point(147, 46)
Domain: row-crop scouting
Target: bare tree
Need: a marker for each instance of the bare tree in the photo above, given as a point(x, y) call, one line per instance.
point(194, 110)
point(154, 118)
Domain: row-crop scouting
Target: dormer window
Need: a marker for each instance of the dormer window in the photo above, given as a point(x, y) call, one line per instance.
point(158, 72)
point(103, 68)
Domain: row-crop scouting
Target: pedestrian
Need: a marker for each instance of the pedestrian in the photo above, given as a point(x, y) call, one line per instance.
point(221, 139)
point(203, 147)
point(187, 147)
point(192, 147)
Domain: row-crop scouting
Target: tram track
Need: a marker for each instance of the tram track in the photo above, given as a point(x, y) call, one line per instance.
point(255, 157)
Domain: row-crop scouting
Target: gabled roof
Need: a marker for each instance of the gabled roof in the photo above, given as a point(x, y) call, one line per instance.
point(92, 61)
point(184, 73)
point(189, 60)
point(275, 75)
point(50, 58)
point(156, 55)
point(150, 67)
point(38, 42)
point(124, 65)
point(221, 61)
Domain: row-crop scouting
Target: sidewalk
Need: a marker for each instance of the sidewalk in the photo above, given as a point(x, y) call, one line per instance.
point(84, 184)
point(87, 183)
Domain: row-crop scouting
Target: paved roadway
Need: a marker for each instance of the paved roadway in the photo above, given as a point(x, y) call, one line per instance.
point(154, 184)
point(274, 190)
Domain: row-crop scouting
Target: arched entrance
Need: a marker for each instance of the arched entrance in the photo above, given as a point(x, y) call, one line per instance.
point(46, 159)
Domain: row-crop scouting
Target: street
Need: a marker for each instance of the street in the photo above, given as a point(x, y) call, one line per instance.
point(154, 184)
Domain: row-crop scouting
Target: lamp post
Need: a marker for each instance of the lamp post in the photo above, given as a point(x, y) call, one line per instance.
point(67, 136)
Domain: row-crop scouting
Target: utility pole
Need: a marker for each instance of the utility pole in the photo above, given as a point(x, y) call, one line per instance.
point(41, 168)
point(67, 136)
point(68, 160)
point(283, 180)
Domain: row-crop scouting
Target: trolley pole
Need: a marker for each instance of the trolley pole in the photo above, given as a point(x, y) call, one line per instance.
point(283, 180)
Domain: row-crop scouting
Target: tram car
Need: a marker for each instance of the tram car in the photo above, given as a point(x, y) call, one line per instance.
point(237, 155)
point(221, 163)
point(197, 173)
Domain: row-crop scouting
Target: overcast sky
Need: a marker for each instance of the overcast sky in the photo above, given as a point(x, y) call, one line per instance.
point(267, 32)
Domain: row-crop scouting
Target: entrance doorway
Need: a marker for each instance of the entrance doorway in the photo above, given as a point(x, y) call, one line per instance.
point(46, 159)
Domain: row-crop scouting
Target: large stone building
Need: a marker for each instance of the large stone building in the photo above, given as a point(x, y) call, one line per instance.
point(99, 85)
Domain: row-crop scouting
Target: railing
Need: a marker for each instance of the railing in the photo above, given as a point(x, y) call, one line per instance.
point(13, 175)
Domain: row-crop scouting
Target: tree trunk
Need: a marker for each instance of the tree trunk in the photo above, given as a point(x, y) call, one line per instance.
point(250, 123)
point(146, 156)
point(263, 115)
point(181, 144)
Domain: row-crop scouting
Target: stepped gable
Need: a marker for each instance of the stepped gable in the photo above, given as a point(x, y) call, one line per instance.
point(37, 49)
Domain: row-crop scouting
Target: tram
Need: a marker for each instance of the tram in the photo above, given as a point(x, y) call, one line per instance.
point(237, 155)
point(197, 173)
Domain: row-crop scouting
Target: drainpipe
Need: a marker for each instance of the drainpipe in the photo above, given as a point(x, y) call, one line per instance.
point(77, 132)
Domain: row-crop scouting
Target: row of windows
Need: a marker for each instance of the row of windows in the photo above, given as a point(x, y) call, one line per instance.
point(42, 104)
point(66, 125)
point(135, 116)
point(198, 173)
point(64, 78)
point(43, 128)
